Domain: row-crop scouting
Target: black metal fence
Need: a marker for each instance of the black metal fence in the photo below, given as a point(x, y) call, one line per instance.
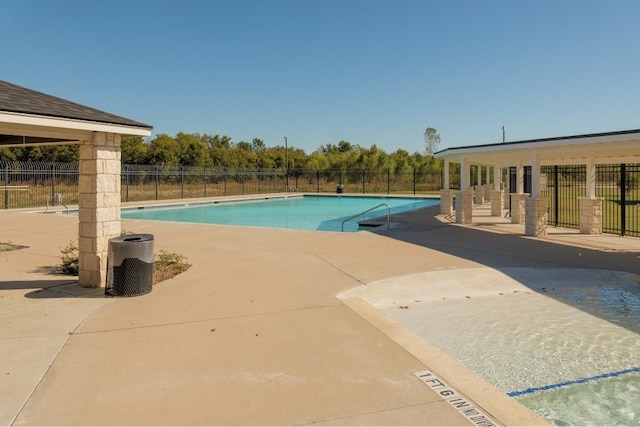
point(618, 185)
point(38, 184)
point(564, 185)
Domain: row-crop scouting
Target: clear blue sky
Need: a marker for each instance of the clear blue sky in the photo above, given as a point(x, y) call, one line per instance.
point(318, 72)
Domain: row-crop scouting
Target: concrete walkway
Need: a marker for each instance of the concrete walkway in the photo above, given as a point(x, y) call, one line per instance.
point(253, 333)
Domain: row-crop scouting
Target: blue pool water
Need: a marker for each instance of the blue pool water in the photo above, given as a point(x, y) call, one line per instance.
point(564, 342)
point(325, 213)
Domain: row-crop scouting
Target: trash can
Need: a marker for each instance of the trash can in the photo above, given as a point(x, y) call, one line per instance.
point(340, 189)
point(130, 265)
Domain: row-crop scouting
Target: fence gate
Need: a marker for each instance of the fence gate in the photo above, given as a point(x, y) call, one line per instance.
point(618, 186)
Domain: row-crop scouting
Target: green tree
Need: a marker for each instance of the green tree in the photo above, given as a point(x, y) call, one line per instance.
point(164, 151)
point(431, 140)
point(257, 145)
point(134, 151)
point(193, 152)
point(8, 154)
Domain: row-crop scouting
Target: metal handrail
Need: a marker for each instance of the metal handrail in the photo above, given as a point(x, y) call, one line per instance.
point(369, 210)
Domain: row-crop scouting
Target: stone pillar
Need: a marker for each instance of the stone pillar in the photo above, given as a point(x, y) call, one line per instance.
point(488, 188)
point(507, 197)
point(590, 215)
point(464, 207)
point(99, 205)
point(518, 207)
point(446, 201)
point(496, 203)
point(479, 197)
point(536, 217)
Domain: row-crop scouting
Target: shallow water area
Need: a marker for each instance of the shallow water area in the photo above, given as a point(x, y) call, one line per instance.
point(564, 341)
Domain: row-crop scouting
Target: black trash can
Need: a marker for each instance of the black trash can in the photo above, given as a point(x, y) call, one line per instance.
point(130, 265)
point(340, 189)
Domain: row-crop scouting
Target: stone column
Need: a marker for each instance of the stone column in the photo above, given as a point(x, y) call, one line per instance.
point(99, 205)
point(479, 198)
point(518, 207)
point(488, 189)
point(496, 203)
point(590, 215)
point(507, 197)
point(446, 201)
point(536, 217)
point(464, 207)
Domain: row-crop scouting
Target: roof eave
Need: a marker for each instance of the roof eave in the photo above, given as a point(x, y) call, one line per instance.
point(72, 125)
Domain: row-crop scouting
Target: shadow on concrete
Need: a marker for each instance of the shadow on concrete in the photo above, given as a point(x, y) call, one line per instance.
point(40, 289)
point(504, 250)
point(492, 249)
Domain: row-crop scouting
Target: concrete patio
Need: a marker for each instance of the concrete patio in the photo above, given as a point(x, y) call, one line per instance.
point(253, 333)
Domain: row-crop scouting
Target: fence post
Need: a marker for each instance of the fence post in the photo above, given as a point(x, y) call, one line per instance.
point(182, 182)
point(157, 172)
point(414, 181)
point(556, 197)
point(204, 180)
point(363, 172)
point(126, 183)
point(6, 186)
point(225, 181)
point(317, 180)
point(388, 181)
point(53, 183)
point(623, 199)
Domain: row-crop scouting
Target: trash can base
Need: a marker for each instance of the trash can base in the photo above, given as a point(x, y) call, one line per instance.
point(130, 262)
point(132, 278)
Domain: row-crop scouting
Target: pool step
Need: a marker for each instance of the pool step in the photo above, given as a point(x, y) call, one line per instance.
point(370, 223)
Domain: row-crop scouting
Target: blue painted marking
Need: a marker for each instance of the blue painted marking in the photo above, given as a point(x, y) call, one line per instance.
point(573, 382)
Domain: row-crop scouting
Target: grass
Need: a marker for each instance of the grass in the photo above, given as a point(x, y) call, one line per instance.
point(168, 265)
point(8, 246)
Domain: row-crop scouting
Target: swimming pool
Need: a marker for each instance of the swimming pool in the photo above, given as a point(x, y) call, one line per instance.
point(564, 342)
point(308, 212)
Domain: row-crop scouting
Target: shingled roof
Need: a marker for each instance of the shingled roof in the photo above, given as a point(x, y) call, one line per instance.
point(18, 99)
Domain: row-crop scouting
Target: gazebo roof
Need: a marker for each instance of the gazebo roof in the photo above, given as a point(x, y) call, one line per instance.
point(29, 117)
point(606, 147)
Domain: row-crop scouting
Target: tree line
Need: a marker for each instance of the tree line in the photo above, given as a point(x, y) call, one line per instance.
point(194, 149)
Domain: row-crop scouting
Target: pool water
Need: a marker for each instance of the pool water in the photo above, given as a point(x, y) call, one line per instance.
point(324, 213)
point(564, 342)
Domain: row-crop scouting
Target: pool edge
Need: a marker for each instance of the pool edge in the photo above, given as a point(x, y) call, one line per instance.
point(505, 409)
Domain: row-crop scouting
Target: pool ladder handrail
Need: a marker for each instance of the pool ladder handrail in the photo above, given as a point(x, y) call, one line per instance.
point(369, 210)
point(57, 198)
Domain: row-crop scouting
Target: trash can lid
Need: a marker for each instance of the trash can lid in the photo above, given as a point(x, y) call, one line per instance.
point(138, 246)
point(132, 238)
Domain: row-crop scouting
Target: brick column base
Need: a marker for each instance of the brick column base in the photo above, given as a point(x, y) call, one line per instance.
point(536, 216)
point(479, 196)
point(496, 203)
point(446, 201)
point(518, 207)
point(464, 207)
point(590, 215)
